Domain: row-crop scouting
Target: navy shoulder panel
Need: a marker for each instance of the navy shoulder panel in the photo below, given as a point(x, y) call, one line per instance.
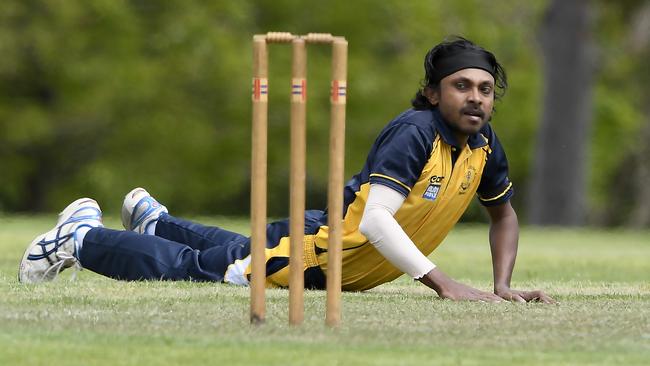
point(495, 187)
point(401, 151)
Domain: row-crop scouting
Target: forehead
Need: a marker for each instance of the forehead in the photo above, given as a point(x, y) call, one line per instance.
point(477, 76)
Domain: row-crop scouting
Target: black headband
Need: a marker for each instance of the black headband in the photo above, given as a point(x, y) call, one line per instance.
point(462, 59)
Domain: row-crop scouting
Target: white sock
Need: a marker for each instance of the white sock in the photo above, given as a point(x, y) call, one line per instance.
point(79, 236)
point(150, 229)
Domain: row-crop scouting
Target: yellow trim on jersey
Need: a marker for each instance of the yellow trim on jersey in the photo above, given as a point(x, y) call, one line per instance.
point(310, 252)
point(497, 197)
point(391, 179)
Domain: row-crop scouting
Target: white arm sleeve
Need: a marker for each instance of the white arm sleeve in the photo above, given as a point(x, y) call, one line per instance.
point(383, 231)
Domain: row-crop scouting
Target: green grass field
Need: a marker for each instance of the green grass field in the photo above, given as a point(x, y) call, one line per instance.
point(600, 278)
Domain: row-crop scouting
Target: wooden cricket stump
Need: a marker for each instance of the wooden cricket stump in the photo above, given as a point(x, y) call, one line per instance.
point(297, 175)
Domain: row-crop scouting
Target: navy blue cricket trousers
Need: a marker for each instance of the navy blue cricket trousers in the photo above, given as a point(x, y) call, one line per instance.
point(180, 250)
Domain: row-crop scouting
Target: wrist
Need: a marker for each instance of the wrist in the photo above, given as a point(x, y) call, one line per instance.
point(501, 287)
point(436, 280)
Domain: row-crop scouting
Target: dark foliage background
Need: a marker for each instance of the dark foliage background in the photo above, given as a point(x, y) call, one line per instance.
point(97, 97)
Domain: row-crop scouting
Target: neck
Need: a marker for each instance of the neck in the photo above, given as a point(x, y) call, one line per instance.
point(461, 139)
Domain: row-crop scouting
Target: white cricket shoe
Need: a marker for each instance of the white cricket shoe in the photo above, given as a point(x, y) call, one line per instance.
point(54, 251)
point(140, 211)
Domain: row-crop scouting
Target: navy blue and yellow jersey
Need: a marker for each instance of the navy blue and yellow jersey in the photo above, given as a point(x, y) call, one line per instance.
point(417, 155)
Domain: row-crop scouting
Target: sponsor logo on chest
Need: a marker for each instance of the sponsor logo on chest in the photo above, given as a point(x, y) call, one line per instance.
point(431, 193)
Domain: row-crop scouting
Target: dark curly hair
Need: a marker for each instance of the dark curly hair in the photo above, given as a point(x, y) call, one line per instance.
point(442, 50)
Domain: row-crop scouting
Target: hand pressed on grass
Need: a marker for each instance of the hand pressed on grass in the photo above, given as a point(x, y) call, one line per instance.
point(447, 288)
point(524, 296)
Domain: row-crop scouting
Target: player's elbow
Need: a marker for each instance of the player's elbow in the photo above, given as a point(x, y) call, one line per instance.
point(365, 226)
point(373, 223)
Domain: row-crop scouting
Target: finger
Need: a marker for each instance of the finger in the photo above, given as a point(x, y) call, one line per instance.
point(514, 297)
point(480, 296)
point(546, 299)
point(519, 299)
point(475, 295)
point(511, 296)
point(537, 296)
point(492, 297)
point(530, 295)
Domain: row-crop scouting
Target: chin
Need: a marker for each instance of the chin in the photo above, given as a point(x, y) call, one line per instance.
point(472, 130)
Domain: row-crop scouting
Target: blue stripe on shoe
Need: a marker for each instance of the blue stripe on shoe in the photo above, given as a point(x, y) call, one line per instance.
point(59, 240)
point(153, 205)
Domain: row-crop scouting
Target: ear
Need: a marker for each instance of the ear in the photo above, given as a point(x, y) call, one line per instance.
point(432, 95)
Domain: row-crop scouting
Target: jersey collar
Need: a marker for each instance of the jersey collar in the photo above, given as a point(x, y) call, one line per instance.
point(474, 141)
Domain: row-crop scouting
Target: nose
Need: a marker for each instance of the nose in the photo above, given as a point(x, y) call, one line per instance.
point(475, 96)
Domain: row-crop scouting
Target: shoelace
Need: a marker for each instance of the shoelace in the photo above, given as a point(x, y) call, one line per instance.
point(65, 260)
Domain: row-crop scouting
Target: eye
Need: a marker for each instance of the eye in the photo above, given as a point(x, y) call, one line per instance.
point(460, 85)
point(486, 89)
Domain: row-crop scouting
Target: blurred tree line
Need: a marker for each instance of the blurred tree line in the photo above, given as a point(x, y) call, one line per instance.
point(97, 97)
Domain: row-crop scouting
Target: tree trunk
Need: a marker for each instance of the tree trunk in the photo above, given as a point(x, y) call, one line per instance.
point(640, 216)
point(558, 189)
point(640, 41)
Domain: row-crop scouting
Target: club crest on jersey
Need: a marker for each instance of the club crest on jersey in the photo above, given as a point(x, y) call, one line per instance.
point(467, 179)
point(431, 193)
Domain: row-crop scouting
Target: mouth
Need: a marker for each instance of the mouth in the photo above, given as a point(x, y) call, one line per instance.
point(474, 115)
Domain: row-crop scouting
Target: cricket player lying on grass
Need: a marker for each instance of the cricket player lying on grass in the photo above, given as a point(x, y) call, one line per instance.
point(420, 175)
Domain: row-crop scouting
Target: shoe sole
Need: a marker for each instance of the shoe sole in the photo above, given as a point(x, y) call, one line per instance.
point(25, 255)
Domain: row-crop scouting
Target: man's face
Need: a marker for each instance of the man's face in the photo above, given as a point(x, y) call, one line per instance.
point(465, 100)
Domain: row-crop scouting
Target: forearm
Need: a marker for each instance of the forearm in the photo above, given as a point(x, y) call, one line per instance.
point(504, 239)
